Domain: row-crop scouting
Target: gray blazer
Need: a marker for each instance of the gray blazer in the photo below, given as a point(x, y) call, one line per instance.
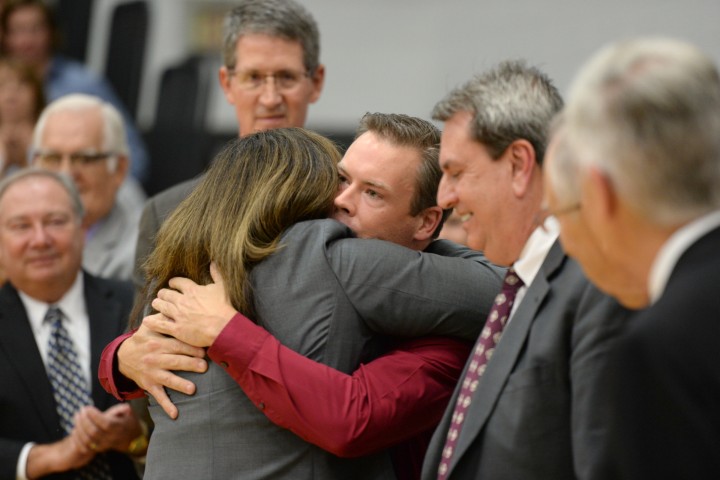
point(28, 412)
point(539, 412)
point(156, 210)
point(110, 250)
point(328, 297)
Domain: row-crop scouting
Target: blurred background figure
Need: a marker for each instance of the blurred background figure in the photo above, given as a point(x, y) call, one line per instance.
point(453, 229)
point(83, 137)
point(21, 101)
point(30, 34)
point(55, 418)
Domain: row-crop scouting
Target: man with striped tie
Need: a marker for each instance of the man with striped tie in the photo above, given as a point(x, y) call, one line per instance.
point(55, 418)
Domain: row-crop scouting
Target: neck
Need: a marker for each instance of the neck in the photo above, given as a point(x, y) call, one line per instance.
point(637, 246)
point(51, 292)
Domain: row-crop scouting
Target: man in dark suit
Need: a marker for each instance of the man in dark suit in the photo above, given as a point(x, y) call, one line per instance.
point(41, 242)
point(524, 407)
point(638, 150)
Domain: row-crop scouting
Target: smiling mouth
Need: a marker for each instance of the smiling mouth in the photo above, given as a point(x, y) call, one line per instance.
point(466, 217)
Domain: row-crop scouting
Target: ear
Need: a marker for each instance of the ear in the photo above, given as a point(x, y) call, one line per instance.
point(123, 165)
point(430, 219)
point(318, 81)
point(225, 77)
point(523, 165)
point(599, 195)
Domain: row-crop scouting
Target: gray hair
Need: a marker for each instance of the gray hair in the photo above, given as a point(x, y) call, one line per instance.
point(563, 171)
point(114, 137)
point(63, 180)
point(510, 102)
point(285, 19)
point(646, 112)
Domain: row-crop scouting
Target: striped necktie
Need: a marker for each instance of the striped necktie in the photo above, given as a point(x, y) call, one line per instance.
point(69, 386)
point(484, 348)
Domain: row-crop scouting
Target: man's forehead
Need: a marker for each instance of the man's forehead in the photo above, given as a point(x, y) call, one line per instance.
point(33, 196)
point(84, 121)
point(267, 52)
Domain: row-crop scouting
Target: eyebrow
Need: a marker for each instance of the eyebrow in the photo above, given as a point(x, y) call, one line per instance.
point(372, 183)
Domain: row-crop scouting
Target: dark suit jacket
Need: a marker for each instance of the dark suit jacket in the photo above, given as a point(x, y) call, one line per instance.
point(27, 405)
point(665, 377)
point(538, 411)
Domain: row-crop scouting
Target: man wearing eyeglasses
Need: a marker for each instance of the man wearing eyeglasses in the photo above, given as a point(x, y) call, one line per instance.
point(84, 137)
point(271, 74)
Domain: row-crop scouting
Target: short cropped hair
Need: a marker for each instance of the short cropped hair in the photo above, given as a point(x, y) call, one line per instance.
point(64, 181)
point(114, 137)
point(512, 101)
point(285, 19)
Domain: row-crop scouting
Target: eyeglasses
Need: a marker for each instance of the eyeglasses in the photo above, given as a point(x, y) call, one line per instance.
point(50, 159)
point(253, 80)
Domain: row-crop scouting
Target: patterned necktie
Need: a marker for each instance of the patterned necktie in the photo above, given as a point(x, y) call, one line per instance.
point(484, 348)
point(69, 386)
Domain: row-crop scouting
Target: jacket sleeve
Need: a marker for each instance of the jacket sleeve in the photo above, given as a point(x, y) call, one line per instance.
point(384, 402)
point(114, 382)
point(402, 292)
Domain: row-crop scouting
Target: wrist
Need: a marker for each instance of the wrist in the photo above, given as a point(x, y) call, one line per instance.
point(139, 445)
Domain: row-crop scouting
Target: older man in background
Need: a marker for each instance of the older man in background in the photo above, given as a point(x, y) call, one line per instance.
point(271, 74)
point(84, 137)
point(56, 319)
point(638, 156)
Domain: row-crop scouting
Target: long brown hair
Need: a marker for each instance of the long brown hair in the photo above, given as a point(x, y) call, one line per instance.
point(256, 188)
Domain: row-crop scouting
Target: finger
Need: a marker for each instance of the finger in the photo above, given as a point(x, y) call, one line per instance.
point(181, 284)
point(119, 410)
point(159, 323)
point(169, 295)
point(156, 344)
point(168, 309)
point(80, 430)
point(216, 275)
point(165, 403)
point(181, 363)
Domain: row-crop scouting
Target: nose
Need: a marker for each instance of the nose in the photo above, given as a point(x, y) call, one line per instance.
point(343, 200)
point(39, 236)
point(446, 196)
point(270, 95)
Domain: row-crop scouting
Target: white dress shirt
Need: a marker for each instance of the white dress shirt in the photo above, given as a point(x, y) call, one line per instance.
point(77, 323)
point(533, 255)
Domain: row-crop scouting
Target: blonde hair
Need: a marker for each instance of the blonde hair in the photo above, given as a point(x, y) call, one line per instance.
point(256, 188)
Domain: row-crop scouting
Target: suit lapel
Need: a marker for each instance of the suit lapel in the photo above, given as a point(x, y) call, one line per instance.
point(18, 343)
point(102, 312)
point(506, 353)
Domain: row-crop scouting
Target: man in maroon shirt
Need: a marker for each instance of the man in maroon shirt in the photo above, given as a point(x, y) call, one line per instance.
point(390, 400)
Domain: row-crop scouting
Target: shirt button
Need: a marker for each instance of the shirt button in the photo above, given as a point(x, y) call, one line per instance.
point(224, 364)
point(261, 405)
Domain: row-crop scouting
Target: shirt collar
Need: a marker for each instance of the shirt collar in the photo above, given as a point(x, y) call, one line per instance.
point(672, 250)
point(71, 304)
point(536, 249)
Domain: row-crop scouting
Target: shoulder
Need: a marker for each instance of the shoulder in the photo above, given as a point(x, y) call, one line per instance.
point(326, 230)
point(163, 203)
point(67, 76)
point(115, 290)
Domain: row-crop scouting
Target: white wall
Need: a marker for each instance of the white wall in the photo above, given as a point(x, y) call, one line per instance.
point(404, 55)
